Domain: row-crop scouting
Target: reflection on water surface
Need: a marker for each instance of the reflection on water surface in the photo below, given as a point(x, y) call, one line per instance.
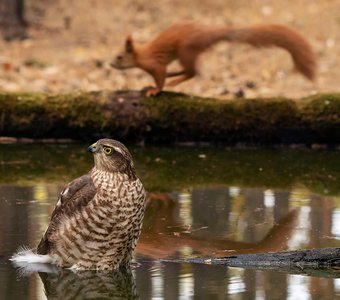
point(217, 204)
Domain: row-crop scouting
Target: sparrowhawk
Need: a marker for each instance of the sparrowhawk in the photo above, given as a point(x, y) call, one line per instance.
point(97, 219)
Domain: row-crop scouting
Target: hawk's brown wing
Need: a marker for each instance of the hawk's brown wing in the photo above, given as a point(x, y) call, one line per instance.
point(72, 199)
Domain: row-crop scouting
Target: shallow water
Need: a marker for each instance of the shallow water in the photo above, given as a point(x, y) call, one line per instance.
point(203, 202)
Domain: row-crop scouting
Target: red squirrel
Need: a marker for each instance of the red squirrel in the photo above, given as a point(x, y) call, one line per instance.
point(185, 41)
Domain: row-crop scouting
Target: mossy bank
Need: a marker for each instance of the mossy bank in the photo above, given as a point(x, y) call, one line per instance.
point(171, 118)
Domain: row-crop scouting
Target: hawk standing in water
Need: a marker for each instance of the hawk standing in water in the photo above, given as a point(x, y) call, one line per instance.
point(97, 220)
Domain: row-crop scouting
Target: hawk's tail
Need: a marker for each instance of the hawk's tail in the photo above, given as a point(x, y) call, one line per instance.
point(28, 256)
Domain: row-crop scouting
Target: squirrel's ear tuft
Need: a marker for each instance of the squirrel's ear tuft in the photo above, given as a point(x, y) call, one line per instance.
point(129, 44)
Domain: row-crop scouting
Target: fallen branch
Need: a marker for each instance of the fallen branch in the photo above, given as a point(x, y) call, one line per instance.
point(171, 118)
point(316, 262)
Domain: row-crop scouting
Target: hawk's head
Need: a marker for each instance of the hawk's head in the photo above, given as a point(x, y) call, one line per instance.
point(112, 156)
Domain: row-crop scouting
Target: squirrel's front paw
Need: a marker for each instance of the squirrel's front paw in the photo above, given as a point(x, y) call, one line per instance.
point(151, 92)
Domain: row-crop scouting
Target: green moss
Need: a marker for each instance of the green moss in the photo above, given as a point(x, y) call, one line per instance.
point(42, 114)
point(323, 108)
point(321, 114)
point(193, 118)
point(172, 117)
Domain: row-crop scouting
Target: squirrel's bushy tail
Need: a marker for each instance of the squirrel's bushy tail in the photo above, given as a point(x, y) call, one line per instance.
point(268, 35)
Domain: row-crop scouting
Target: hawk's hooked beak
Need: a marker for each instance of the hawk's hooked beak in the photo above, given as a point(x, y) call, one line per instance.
point(93, 148)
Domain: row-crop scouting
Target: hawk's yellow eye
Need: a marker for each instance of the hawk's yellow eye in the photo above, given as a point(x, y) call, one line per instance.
point(107, 150)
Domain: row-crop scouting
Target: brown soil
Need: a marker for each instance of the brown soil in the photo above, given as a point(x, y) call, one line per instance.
point(71, 44)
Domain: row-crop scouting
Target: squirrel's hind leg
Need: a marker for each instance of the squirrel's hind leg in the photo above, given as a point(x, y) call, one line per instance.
point(188, 60)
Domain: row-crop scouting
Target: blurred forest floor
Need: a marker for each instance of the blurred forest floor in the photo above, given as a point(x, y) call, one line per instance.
point(70, 45)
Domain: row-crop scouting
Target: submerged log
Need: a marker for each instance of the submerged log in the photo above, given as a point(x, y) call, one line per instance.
point(171, 118)
point(316, 262)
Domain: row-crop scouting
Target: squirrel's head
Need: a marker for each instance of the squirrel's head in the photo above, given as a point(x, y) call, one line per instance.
point(126, 58)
